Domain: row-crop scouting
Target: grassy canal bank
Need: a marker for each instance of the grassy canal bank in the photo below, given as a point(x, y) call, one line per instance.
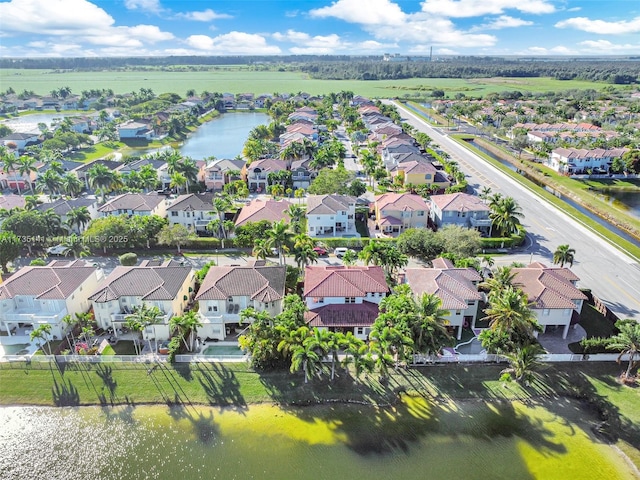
point(235, 385)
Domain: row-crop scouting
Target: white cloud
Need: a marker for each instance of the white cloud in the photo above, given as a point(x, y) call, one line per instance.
point(146, 5)
point(503, 21)
point(600, 26)
point(365, 12)
point(232, 43)
point(203, 16)
point(475, 8)
point(606, 46)
point(52, 17)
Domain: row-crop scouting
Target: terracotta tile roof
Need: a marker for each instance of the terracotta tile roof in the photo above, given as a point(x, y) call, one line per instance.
point(225, 165)
point(267, 165)
point(264, 284)
point(149, 281)
point(328, 204)
point(459, 201)
point(64, 206)
point(548, 287)
point(340, 281)
point(401, 201)
point(454, 286)
point(423, 166)
point(132, 201)
point(339, 315)
point(12, 201)
point(56, 281)
point(258, 210)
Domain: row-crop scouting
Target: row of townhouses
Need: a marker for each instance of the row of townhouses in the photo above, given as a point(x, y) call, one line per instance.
point(338, 298)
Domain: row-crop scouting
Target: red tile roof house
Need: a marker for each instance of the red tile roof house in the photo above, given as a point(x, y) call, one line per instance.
point(39, 295)
point(167, 285)
point(556, 301)
point(227, 291)
point(258, 210)
point(344, 299)
point(331, 215)
point(455, 287)
point(460, 209)
point(257, 173)
point(396, 212)
point(135, 204)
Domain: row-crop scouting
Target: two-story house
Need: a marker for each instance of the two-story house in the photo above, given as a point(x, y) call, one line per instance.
point(227, 291)
point(19, 141)
point(331, 215)
point(258, 210)
point(218, 173)
point(555, 299)
point(135, 204)
point(193, 211)
point(581, 160)
point(35, 296)
point(460, 209)
point(301, 174)
point(457, 289)
point(135, 130)
point(64, 206)
point(344, 299)
point(420, 173)
point(257, 173)
point(397, 212)
point(167, 285)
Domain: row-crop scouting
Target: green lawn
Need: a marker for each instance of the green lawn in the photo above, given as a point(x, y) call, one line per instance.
point(239, 79)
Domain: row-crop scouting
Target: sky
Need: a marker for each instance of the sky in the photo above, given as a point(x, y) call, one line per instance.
point(100, 28)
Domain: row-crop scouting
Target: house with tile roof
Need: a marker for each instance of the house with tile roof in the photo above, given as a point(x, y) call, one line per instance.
point(397, 212)
point(331, 215)
point(257, 173)
point(167, 285)
point(134, 130)
point(7, 202)
point(555, 298)
point(44, 295)
point(420, 172)
point(227, 291)
point(580, 160)
point(218, 173)
point(344, 299)
point(459, 209)
point(457, 289)
point(135, 204)
point(258, 210)
point(63, 206)
point(194, 211)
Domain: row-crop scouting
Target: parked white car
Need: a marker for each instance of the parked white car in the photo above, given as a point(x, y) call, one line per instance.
point(340, 251)
point(57, 250)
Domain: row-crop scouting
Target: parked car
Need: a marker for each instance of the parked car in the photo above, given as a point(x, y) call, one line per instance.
point(340, 251)
point(57, 250)
point(320, 251)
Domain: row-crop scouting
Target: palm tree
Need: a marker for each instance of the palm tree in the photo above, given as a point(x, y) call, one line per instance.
point(9, 163)
point(627, 341)
point(144, 315)
point(71, 185)
point(505, 215)
point(75, 244)
point(102, 179)
point(31, 202)
point(134, 325)
point(50, 182)
point(296, 213)
point(186, 327)
point(509, 312)
point(189, 169)
point(278, 237)
point(335, 341)
point(564, 254)
point(178, 180)
point(305, 358)
point(221, 204)
point(40, 333)
point(69, 323)
point(501, 280)
point(522, 362)
point(27, 165)
point(79, 217)
point(429, 331)
point(261, 249)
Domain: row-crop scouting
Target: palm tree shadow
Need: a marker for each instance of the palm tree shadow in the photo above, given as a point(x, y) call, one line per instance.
point(204, 427)
point(221, 386)
point(65, 394)
point(105, 372)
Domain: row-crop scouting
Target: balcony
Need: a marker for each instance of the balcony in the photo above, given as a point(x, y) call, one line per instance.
point(201, 224)
point(480, 222)
point(122, 317)
point(35, 316)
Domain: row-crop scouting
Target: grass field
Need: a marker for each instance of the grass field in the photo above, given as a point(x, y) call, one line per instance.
point(240, 79)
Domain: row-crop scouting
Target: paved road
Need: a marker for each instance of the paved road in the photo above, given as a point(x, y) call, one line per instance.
point(613, 276)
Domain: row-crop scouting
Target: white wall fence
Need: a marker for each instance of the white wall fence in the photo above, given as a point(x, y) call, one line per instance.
point(417, 361)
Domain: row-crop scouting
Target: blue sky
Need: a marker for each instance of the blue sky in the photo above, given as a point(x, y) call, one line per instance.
point(70, 28)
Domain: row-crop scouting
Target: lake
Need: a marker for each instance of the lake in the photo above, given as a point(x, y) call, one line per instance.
point(416, 439)
point(224, 136)
point(29, 123)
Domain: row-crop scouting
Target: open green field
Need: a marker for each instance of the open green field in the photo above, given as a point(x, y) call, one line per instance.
point(241, 79)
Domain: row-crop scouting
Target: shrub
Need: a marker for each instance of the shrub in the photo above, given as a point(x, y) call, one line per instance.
point(595, 345)
point(128, 259)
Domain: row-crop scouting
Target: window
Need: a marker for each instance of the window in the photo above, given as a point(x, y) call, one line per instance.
point(349, 299)
point(420, 213)
point(359, 330)
point(546, 312)
point(273, 304)
point(320, 300)
point(174, 214)
point(471, 302)
point(458, 312)
point(230, 299)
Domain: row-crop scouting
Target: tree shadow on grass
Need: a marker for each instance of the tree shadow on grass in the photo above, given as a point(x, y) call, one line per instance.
point(65, 394)
point(105, 372)
point(221, 386)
